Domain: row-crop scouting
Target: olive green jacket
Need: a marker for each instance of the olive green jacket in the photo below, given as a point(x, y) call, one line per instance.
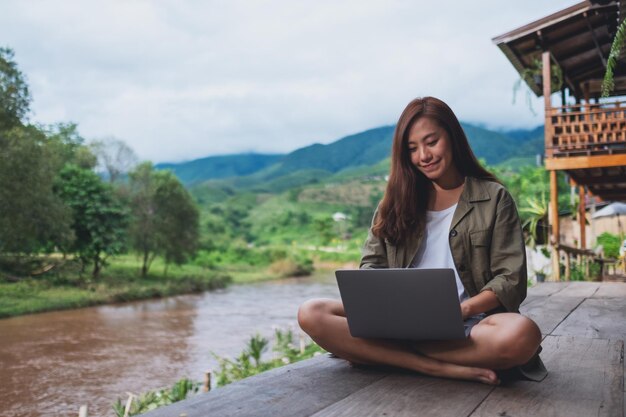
point(485, 240)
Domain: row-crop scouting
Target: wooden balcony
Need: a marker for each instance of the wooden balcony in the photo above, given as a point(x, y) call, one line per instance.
point(589, 142)
point(590, 129)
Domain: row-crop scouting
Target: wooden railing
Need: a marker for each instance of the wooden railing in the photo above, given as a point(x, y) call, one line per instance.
point(586, 129)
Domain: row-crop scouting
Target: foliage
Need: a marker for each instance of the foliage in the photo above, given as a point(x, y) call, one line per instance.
point(143, 225)
point(64, 287)
point(158, 398)
point(99, 218)
point(608, 83)
point(14, 93)
point(610, 243)
point(578, 272)
point(178, 219)
point(533, 75)
point(250, 361)
point(165, 218)
point(32, 217)
point(536, 211)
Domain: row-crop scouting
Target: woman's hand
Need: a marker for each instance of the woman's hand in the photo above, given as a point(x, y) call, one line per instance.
point(480, 303)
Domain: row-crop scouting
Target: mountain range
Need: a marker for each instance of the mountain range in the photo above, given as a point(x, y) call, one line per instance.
point(359, 154)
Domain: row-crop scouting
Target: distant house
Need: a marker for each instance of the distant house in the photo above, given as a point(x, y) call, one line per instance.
point(584, 136)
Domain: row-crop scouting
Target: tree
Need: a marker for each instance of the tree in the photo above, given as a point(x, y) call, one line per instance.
point(165, 218)
point(67, 146)
point(32, 217)
point(115, 157)
point(14, 94)
point(143, 227)
point(178, 219)
point(99, 219)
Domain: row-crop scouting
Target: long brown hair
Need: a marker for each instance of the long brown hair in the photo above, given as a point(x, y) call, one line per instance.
point(403, 208)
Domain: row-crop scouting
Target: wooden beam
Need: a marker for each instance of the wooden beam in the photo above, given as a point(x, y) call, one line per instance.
point(609, 195)
point(554, 218)
point(582, 212)
point(548, 134)
point(584, 162)
point(601, 180)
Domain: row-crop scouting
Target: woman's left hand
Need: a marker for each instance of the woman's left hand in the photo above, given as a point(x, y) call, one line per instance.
point(480, 303)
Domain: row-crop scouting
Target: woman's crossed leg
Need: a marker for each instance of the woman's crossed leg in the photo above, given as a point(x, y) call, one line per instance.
point(499, 341)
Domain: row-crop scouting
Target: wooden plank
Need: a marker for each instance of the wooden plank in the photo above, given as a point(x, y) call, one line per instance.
point(300, 389)
point(585, 162)
point(585, 378)
point(579, 289)
point(611, 290)
point(601, 318)
point(401, 395)
point(549, 312)
point(547, 288)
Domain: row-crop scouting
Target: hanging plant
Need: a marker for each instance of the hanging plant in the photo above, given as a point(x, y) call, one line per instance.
point(608, 84)
point(534, 75)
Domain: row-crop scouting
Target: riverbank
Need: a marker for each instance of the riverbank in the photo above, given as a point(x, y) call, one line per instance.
point(121, 281)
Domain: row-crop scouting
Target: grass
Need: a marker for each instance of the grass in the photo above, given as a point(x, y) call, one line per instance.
point(120, 281)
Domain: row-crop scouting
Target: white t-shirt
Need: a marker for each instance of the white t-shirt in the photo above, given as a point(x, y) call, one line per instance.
point(434, 251)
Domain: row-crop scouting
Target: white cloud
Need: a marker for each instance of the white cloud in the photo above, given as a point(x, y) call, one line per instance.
point(185, 79)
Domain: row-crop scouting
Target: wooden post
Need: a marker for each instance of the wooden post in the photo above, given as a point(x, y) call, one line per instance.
point(582, 213)
point(554, 219)
point(547, 88)
point(82, 411)
point(592, 221)
point(129, 403)
point(568, 268)
point(206, 387)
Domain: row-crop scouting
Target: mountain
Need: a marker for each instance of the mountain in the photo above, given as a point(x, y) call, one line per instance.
point(215, 167)
point(355, 153)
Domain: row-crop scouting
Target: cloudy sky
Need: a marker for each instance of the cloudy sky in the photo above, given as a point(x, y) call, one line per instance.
point(179, 80)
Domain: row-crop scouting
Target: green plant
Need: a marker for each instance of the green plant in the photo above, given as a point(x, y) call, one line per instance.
point(158, 398)
point(608, 83)
point(249, 361)
point(537, 211)
point(610, 243)
point(533, 75)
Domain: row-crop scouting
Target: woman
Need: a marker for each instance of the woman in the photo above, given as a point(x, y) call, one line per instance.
point(441, 209)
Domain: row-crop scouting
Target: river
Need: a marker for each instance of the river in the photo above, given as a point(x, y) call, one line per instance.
point(52, 363)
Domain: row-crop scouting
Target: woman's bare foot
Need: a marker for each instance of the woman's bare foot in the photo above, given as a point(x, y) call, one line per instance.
point(486, 376)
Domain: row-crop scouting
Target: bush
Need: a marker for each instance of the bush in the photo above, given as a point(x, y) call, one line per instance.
point(154, 399)
point(292, 268)
point(249, 362)
point(610, 243)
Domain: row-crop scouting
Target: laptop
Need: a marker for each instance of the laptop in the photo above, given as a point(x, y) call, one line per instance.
point(413, 304)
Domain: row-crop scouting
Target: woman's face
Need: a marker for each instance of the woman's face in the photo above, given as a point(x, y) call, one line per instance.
point(430, 149)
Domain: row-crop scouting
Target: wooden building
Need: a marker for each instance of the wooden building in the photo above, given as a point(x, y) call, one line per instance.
point(585, 136)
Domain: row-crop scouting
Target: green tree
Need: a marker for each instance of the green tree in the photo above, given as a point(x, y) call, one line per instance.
point(143, 227)
point(14, 94)
point(165, 217)
point(178, 219)
point(32, 217)
point(99, 219)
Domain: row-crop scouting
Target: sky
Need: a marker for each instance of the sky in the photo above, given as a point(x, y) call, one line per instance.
point(181, 80)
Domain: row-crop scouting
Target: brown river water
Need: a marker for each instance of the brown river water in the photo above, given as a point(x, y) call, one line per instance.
point(52, 363)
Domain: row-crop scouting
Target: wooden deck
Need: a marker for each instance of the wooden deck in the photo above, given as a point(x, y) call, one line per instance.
point(584, 327)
